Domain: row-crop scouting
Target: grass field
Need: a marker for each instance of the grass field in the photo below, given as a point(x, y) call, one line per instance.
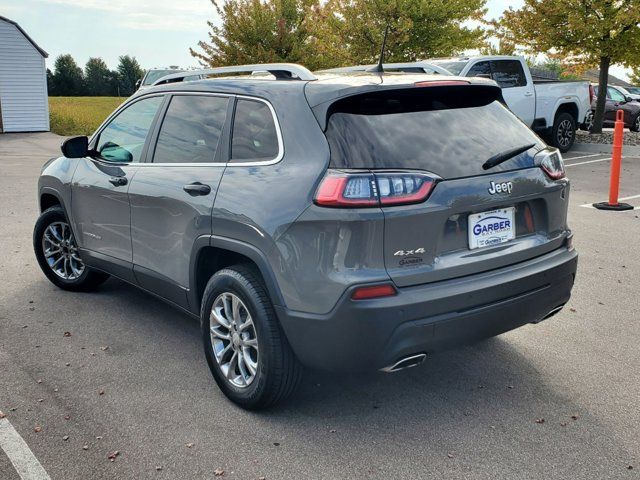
point(80, 115)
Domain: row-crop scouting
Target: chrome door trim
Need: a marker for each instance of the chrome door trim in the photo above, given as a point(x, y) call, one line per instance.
point(273, 161)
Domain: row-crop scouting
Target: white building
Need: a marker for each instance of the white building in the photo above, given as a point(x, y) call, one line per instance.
point(24, 105)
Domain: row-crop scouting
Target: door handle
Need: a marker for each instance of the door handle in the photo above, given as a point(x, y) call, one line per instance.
point(528, 94)
point(197, 188)
point(118, 181)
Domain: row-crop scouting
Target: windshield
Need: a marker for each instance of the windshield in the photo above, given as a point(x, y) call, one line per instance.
point(454, 66)
point(634, 90)
point(153, 75)
point(450, 133)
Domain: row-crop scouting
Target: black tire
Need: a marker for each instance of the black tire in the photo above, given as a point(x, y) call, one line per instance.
point(278, 371)
point(87, 281)
point(563, 133)
point(635, 124)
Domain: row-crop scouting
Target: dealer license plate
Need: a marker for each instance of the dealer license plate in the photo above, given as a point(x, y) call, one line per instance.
point(491, 228)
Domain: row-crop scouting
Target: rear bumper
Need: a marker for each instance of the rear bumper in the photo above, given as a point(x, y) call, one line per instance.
point(372, 334)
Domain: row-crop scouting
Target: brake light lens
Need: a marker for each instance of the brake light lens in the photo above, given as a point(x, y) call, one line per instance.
point(374, 291)
point(550, 160)
point(592, 93)
point(341, 189)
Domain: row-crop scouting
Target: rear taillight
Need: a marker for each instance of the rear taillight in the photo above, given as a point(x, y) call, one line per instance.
point(373, 291)
point(550, 160)
point(342, 189)
point(592, 93)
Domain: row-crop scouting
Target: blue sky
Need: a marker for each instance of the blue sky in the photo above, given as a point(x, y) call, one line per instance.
point(157, 32)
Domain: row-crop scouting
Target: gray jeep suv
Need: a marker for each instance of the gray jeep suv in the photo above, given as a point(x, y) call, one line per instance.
point(339, 221)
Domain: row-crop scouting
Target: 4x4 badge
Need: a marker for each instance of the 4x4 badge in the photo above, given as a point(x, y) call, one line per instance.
point(504, 187)
point(404, 253)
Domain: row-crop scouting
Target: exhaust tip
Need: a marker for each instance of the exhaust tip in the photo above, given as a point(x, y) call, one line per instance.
point(553, 312)
point(406, 362)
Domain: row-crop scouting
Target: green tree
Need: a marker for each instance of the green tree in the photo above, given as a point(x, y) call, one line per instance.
point(503, 47)
point(97, 77)
point(129, 71)
point(68, 79)
point(256, 31)
point(50, 86)
point(418, 29)
point(587, 33)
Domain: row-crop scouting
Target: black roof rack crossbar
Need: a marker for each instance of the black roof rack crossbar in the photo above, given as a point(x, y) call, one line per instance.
point(282, 71)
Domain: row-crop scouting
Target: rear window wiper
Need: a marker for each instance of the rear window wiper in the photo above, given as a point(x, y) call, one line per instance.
point(506, 155)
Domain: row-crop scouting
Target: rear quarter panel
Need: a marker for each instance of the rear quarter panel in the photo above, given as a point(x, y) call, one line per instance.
point(552, 95)
point(257, 205)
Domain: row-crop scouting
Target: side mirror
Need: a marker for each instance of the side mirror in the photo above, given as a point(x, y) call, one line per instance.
point(75, 147)
point(138, 82)
point(628, 99)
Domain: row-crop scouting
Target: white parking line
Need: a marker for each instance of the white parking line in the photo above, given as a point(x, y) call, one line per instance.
point(590, 205)
point(629, 198)
point(21, 456)
point(588, 161)
point(583, 156)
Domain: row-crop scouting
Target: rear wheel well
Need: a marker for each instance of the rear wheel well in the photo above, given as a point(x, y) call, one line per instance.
point(570, 108)
point(47, 201)
point(212, 259)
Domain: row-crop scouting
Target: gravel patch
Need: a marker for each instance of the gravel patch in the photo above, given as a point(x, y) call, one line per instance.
point(606, 138)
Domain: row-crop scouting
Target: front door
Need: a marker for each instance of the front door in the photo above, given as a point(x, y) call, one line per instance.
point(617, 101)
point(172, 194)
point(99, 200)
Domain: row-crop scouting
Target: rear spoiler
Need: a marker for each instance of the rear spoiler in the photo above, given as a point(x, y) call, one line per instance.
point(324, 103)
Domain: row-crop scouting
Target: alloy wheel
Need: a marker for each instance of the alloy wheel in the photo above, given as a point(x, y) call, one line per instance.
point(565, 133)
point(234, 339)
point(61, 252)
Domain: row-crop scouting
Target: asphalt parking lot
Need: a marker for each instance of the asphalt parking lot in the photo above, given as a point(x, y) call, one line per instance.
point(558, 400)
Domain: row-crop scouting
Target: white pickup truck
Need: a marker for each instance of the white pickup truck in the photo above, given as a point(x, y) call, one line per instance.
point(554, 109)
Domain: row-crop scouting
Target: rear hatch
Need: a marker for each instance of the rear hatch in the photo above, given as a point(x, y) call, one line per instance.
point(423, 150)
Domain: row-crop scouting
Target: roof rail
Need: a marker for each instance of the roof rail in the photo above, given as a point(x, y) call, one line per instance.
point(407, 67)
point(282, 71)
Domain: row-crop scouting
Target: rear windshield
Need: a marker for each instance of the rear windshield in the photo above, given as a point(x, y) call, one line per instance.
point(447, 131)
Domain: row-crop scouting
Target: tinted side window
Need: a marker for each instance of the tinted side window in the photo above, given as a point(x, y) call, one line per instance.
point(480, 69)
point(615, 95)
point(508, 73)
point(254, 132)
point(191, 129)
point(123, 139)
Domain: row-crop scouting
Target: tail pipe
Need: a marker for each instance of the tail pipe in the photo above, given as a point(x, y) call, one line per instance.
point(553, 312)
point(405, 362)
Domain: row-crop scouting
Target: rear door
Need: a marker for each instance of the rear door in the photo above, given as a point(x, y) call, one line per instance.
point(516, 90)
point(172, 194)
point(448, 133)
point(100, 202)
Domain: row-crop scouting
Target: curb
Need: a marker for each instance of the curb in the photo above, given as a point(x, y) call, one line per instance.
point(632, 150)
